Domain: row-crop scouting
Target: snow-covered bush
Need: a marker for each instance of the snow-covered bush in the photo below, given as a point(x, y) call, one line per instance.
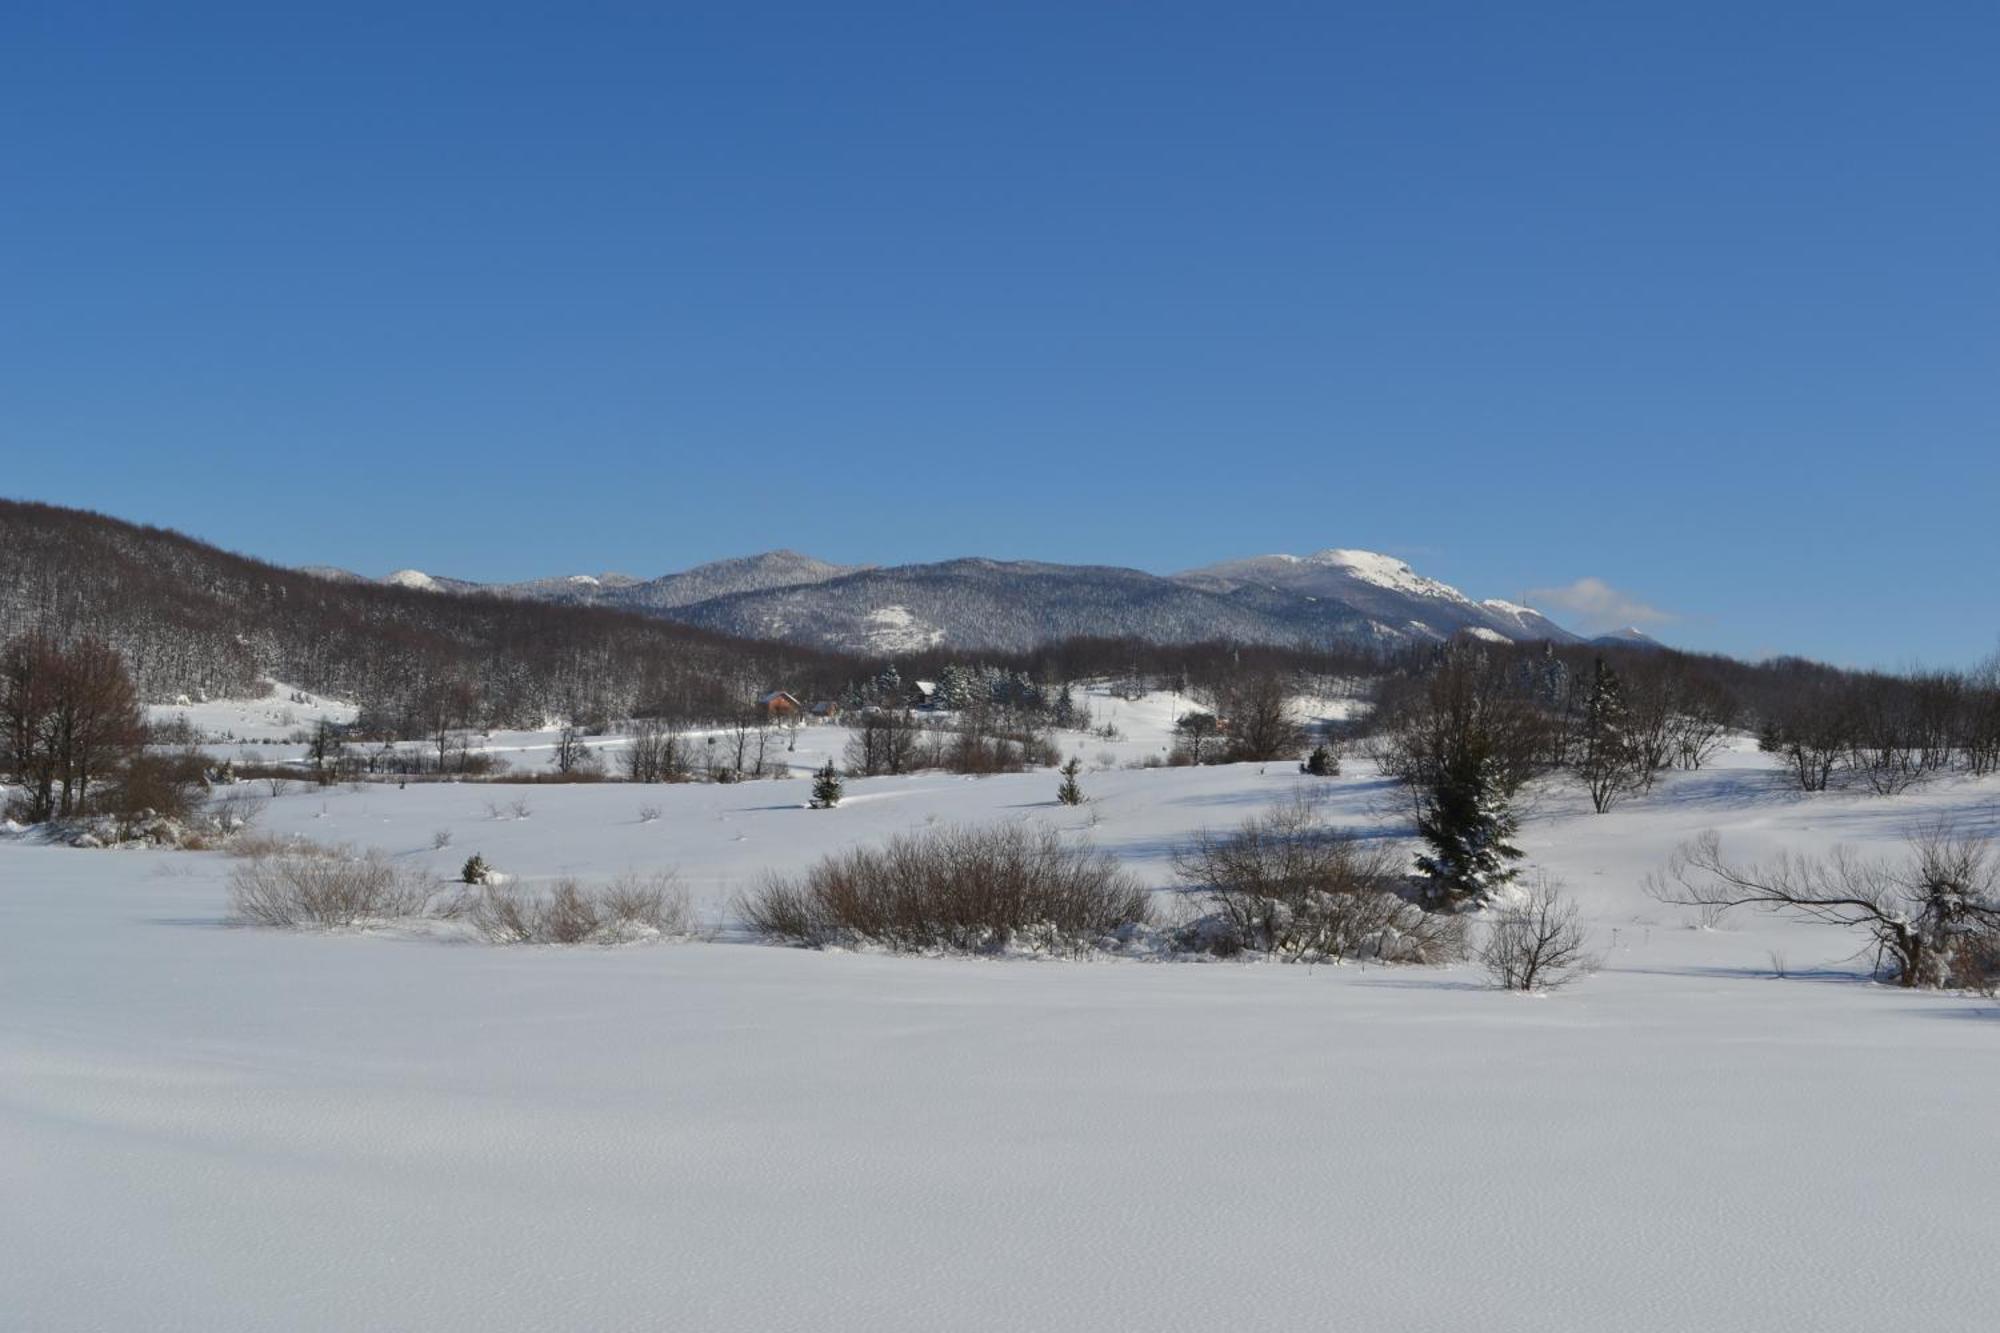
point(965, 890)
point(630, 907)
point(1285, 884)
point(308, 885)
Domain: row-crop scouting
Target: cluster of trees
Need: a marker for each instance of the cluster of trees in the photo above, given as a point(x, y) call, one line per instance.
point(1007, 698)
point(978, 742)
point(70, 724)
point(1249, 719)
point(1886, 732)
point(1463, 743)
point(1464, 726)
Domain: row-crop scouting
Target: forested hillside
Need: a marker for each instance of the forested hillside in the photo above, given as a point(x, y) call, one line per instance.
point(192, 619)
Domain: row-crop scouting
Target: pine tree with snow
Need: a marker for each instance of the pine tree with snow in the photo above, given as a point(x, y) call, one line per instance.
point(1071, 791)
point(886, 689)
point(957, 688)
point(1467, 822)
point(1607, 762)
point(1063, 714)
point(1322, 762)
point(826, 787)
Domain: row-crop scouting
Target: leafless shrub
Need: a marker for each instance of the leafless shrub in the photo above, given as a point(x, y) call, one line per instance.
point(1538, 943)
point(238, 811)
point(519, 808)
point(1284, 883)
point(504, 916)
point(253, 845)
point(656, 901)
point(277, 786)
point(1932, 921)
point(965, 890)
point(648, 814)
point(322, 887)
point(440, 839)
point(569, 916)
point(576, 913)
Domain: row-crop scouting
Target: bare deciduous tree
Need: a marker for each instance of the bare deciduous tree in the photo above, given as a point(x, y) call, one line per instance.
point(656, 753)
point(69, 717)
point(883, 742)
point(570, 748)
point(1195, 730)
point(1539, 943)
point(1932, 921)
point(1262, 722)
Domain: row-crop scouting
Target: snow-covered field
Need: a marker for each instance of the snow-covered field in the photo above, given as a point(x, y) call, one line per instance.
point(210, 1127)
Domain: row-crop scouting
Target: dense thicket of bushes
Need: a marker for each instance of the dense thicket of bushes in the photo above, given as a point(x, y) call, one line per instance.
point(1287, 884)
point(573, 912)
point(310, 885)
point(964, 890)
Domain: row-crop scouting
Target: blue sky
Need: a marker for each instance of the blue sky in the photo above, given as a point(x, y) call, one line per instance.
point(1698, 303)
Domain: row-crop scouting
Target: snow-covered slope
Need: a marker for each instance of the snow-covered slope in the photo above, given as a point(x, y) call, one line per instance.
point(233, 1129)
point(978, 603)
point(1629, 637)
point(1382, 588)
point(418, 580)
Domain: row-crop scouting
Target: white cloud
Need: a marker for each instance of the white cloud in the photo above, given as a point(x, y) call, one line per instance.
point(1596, 607)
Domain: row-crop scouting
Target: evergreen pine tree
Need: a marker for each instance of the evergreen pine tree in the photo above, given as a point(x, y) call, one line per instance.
point(1322, 762)
point(1467, 822)
point(1607, 762)
point(955, 687)
point(1071, 791)
point(826, 787)
point(1064, 712)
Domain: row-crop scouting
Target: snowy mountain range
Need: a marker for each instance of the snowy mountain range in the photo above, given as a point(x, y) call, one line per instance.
point(1333, 597)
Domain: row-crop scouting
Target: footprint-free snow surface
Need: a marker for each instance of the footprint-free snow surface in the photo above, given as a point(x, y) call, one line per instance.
point(209, 1127)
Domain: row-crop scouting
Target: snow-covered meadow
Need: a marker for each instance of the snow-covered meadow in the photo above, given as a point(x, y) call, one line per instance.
point(204, 1126)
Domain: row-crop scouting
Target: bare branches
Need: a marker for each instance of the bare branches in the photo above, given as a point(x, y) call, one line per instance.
point(630, 907)
point(1539, 943)
point(313, 886)
point(1934, 919)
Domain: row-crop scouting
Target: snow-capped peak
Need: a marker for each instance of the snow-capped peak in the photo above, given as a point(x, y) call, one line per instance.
point(1385, 571)
point(1507, 608)
point(584, 580)
point(412, 578)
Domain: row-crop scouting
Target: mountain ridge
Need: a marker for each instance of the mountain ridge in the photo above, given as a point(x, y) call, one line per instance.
point(1335, 596)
